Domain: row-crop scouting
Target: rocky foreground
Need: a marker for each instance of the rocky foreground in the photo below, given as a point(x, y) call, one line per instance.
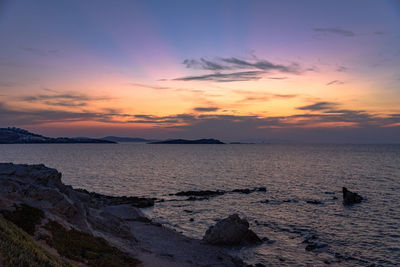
point(46, 223)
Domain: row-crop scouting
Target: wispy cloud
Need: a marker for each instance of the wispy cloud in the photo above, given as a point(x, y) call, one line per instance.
point(62, 100)
point(254, 96)
point(156, 87)
point(335, 31)
point(233, 63)
point(49, 90)
point(342, 69)
point(319, 106)
point(203, 64)
point(277, 78)
point(323, 115)
point(330, 112)
point(162, 120)
point(225, 77)
point(40, 52)
point(206, 109)
point(335, 82)
point(69, 96)
point(262, 65)
point(6, 84)
point(33, 116)
point(227, 69)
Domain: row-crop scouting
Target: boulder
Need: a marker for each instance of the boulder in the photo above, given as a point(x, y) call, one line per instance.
point(350, 197)
point(231, 231)
point(315, 245)
point(201, 193)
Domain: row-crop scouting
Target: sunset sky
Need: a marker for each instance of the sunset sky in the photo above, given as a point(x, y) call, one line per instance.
point(315, 71)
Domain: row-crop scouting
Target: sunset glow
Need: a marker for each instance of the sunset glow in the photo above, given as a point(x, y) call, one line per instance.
point(234, 70)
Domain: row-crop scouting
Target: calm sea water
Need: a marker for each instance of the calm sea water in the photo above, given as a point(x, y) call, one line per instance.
point(367, 234)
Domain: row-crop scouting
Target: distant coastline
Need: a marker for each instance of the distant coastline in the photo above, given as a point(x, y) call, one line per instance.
point(119, 139)
point(14, 135)
point(190, 142)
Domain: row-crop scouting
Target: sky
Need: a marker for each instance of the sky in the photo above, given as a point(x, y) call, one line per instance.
point(306, 71)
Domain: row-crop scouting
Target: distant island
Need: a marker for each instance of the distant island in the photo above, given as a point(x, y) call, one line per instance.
point(189, 142)
point(127, 139)
point(13, 135)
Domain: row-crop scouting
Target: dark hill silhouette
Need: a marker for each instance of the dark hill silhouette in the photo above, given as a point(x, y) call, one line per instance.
point(13, 135)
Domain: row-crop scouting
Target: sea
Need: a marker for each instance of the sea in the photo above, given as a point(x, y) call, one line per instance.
point(302, 200)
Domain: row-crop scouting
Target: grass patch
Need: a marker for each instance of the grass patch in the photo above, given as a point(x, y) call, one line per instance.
point(84, 247)
point(17, 248)
point(25, 217)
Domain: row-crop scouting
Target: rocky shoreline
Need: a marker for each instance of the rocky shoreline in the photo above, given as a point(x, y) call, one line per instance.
point(63, 226)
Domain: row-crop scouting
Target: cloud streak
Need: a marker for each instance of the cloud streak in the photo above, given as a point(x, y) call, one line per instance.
point(233, 63)
point(225, 77)
point(156, 87)
point(335, 82)
point(63, 100)
point(204, 64)
point(201, 123)
point(205, 109)
point(40, 52)
point(261, 65)
point(253, 96)
point(335, 31)
point(233, 69)
point(318, 106)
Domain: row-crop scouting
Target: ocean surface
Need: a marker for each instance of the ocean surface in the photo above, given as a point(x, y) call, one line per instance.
point(366, 234)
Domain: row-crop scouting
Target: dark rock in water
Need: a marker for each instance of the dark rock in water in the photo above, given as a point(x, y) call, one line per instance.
point(231, 231)
point(313, 201)
point(243, 191)
point(248, 190)
point(290, 200)
point(208, 193)
point(315, 245)
point(308, 237)
point(350, 197)
point(266, 240)
point(191, 219)
point(196, 198)
point(205, 194)
point(139, 202)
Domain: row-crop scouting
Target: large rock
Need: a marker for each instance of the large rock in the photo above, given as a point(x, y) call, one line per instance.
point(231, 231)
point(350, 197)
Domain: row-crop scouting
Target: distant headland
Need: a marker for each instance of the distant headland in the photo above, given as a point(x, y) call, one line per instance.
point(190, 142)
point(128, 139)
point(13, 135)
